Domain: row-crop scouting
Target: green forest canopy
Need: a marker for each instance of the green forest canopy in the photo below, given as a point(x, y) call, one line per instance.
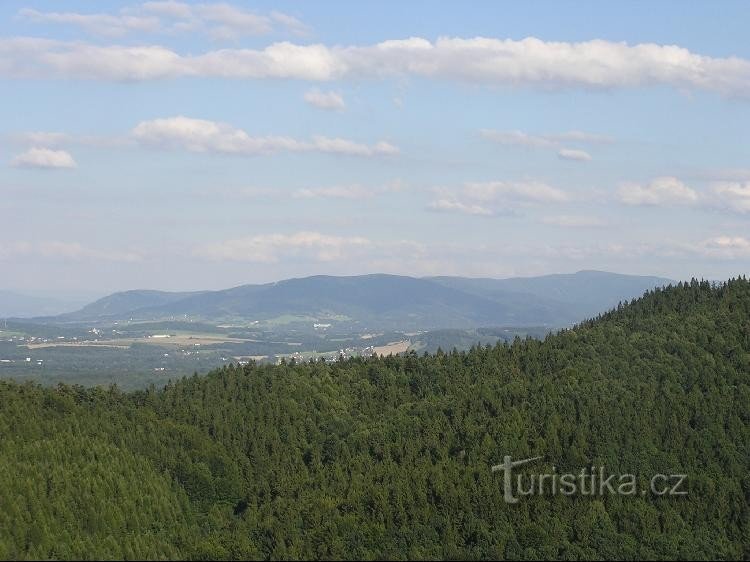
point(390, 457)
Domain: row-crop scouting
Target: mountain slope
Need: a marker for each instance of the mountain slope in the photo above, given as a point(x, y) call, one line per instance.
point(585, 292)
point(368, 300)
point(123, 304)
point(387, 301)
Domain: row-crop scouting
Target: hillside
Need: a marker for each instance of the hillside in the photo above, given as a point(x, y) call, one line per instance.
point(386, 301)
point(390, 457)
point(121, 305)
point(586, 292)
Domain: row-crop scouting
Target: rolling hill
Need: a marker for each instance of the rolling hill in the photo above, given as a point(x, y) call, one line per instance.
point(386, 301)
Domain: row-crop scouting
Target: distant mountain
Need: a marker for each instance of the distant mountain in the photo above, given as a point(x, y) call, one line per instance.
point(587, 292)
point(120, 305)
point(386, 301)
point(18, 305)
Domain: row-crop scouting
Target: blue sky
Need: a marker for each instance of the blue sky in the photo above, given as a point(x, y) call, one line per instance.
point(181, 145)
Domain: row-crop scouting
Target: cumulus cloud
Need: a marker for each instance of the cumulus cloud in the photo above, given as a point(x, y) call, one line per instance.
point(354, 192)
point(734, 196)
point(553, 141)
point(452, 205)
point(573, 154)
point(496, 197)
point(530, 62)
point(515, 191)
point(518, 138)
point(581, 137)
point(200, 135)
point(325, 100)
point(724, 247)
point(660, 191)
point(308, 246)
point(44, 158)
point(351, 192)
point(725, 196)
point(573, 221)
point(270, 248)
point(546, 140)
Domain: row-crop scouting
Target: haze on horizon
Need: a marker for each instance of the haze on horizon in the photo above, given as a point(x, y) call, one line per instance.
point(177, 146)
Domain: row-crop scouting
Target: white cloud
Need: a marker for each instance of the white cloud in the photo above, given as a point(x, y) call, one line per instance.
point(452, 205)
point(580, 137)
point(325, 100)
point(573, 154)
point(724, 247)
point(518, 138)
point(530, 62)
point(354, 192)
point(734, 196)
point(271, 248)
point(495, 197)
point(515, 191)
point(545, 140)
point(572, 221)
point(44, 158)
point(660, 191)
point(344, 146)
point(200, 135)
point(552, 141)
point(292, 24)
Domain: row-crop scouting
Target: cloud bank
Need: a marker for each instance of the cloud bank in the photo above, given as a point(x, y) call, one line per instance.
point(659, 191)
point(531, 62)
point(219, 20)
point(270, 248)
point(496, 197)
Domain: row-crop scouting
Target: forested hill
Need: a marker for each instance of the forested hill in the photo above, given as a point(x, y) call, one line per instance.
point(390, 457)
point(379, 301)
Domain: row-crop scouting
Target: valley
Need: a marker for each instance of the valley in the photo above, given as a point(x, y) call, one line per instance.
point(136, 338)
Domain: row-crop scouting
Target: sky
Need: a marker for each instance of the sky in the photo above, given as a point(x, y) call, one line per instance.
point(175, 145)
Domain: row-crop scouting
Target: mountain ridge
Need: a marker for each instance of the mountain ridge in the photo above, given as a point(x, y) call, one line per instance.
point(382, 300)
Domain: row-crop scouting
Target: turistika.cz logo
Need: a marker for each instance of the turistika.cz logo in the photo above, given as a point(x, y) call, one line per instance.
point(591, 481)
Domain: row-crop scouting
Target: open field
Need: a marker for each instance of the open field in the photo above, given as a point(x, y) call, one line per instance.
point(177, 340)
point(392, 348)
point(119, 344)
